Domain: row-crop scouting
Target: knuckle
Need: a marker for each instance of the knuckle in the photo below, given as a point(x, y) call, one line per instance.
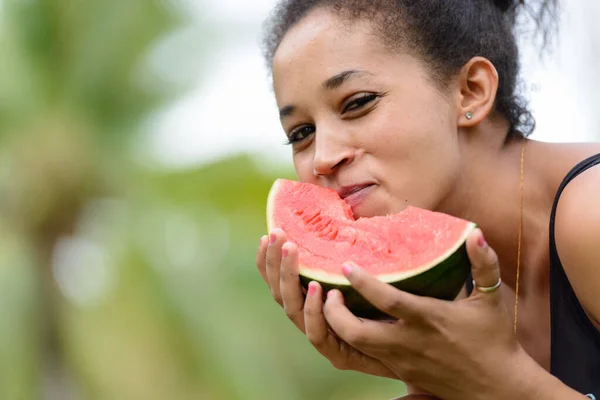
point(315, 340)
point(492, 258)
point(318, 339)
point(391, 303)
point(269, 263)
point(285, 276)
point(260, 260)
point(408, 371)
point(277, 297)
point(355, 337)
point(359, 283)
point(339, 364)
point(311, 312)
point(292, 314)
point(273, 275)
point(437, 315)
point(489, 257)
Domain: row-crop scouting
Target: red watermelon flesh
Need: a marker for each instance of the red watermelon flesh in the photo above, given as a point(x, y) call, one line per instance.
point(417, 250)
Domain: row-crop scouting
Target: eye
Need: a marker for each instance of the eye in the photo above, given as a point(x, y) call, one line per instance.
point(300, 133)
point(359, 102)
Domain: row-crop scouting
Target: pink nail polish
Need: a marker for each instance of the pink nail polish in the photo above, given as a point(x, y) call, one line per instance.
point(481, 242)
point(284, 252)
point(347, 270)
point(330, 293)
point(311, 288)
point(273, 238)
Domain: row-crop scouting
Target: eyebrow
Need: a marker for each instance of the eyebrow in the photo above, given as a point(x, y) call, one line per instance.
point(330, 84)
point(338, 80)
point(286, 111)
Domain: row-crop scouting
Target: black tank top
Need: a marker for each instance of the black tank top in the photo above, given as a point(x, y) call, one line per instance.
point(575, 341)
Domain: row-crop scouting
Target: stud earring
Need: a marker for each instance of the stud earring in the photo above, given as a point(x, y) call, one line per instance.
point(469, 115)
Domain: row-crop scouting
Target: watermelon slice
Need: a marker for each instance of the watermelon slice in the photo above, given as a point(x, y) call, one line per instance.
point(418, 251)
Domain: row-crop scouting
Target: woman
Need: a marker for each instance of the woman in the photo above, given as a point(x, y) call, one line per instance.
point(413, 102)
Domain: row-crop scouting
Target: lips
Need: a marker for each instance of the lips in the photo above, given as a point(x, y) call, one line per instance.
point(355, 195)
point(346, 191)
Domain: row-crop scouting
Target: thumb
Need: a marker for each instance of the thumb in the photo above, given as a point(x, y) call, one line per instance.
point(484, 266)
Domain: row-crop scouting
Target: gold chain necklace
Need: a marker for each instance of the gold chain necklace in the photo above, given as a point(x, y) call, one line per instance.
point(520, 236)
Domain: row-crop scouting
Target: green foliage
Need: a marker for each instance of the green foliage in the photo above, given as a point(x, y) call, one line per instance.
point(118, 282)
point(19, 349)
point(85, 57)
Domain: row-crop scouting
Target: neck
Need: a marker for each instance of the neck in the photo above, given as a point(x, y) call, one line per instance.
point(487, 193)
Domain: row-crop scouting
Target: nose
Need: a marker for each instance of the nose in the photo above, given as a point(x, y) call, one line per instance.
point(331, 152)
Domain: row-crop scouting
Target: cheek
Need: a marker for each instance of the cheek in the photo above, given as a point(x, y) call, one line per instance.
point(415, 119)
point(417, 154)
point(399, 136)
point(423, 138)
point(304, 167)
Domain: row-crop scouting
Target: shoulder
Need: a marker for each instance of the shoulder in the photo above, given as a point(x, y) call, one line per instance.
point(577, 234)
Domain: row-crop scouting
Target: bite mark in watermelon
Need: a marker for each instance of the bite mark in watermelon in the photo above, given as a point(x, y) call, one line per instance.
point(416, 250)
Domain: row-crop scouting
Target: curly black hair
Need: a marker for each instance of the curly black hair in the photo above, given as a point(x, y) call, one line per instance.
point(445, 33)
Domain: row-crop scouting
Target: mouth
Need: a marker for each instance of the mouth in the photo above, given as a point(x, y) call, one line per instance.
point(347, 191)
point(355, 194)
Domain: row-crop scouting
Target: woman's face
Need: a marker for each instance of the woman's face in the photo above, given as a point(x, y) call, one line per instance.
point(364, 120)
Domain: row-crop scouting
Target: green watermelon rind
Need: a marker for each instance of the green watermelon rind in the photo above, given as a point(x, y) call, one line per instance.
point(339, 279)
point(442, 278)
point(443, 281)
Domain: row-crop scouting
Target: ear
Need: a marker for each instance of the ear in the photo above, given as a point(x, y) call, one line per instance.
point(478, 84)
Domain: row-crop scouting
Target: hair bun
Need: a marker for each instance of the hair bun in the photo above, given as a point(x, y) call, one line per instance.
point(506, 5)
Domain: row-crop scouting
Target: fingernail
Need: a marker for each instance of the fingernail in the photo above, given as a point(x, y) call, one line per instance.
point(262, 241)
point(329, 294)
point(481, 242)
point(284, 252)
point(273, 238)
point(311, 288)
point(347, 270)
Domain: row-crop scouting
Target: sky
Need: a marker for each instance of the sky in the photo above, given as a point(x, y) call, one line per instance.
point(232, 108)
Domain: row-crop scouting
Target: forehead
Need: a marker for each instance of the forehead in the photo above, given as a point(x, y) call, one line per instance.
point(322, 45)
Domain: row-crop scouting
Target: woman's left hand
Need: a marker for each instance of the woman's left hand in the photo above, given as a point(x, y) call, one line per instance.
point(463, 349)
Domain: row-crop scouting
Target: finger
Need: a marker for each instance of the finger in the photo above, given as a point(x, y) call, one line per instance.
point(386, 298)
point(363, 334)
point(273, 262)
point(261, 256)
point(317, 331)
point(484, 265)
point(340, 353)
point(291, 290)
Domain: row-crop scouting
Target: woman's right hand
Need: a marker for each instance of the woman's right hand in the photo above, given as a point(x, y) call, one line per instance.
point(277, 262)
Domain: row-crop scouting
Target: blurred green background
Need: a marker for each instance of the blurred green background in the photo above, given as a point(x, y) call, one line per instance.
point(124, 275)
point(122, 279)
